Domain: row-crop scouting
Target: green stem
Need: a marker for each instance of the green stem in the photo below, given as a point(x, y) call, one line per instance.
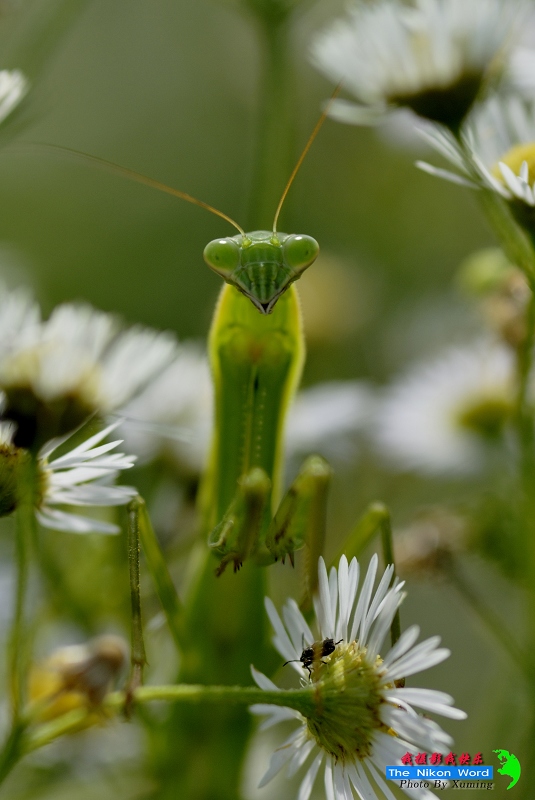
point(301, 700)
point(364, 530)
point(388, 556)
point(138, 657)
point(19, 636)
point(25, 534)
point(273, 157)
point(524, 424)
point(492, 622)
point(12, 751)
point(523, 411)
point(155, 560)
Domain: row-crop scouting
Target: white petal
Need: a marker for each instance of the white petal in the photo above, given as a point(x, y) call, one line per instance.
point(263, 682)
point(293, 623)
point(404, 643)
point(445, 174)
point(73, 523)
point(300, 757)
point(273, 714)
point(344, 605)
point(381, 783)
point(329, 787)
point(360, 781)
point(281, 756)
point(282, 641)
point(308, 781)
point(364, 598)
point(325, 599)
point(428, 699)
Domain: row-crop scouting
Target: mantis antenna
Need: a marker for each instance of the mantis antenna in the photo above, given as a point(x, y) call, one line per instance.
point(144, 179)
point(163, 187)
point(302, 157)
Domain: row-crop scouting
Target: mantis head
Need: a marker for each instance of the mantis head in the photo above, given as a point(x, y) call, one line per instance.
point(261, 264)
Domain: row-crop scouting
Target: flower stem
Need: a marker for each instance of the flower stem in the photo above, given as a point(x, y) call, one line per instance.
point(387, 543)
point(18, 639)
point(523, 411)
point(299, 699)
point(165, 588)
point(12, 750)
point(138, 657)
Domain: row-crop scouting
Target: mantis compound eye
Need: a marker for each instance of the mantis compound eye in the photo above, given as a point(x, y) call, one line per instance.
point(300, 251)
point(223, 256)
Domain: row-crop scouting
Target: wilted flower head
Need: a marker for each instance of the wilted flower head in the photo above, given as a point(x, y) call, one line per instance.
point(55, 374)
point(433, 56)
point(77, 676)
point(441, 416)
point(359, 721)
point(428, 545)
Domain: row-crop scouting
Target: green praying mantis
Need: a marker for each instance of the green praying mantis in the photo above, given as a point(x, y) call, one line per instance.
point(256, 351)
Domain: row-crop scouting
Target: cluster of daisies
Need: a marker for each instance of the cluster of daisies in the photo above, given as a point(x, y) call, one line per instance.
point(465, 72)
point(443, 415)
point(83, 368)
point(58, 378)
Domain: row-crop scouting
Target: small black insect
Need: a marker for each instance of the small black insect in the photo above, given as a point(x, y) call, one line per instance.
point(314, 653)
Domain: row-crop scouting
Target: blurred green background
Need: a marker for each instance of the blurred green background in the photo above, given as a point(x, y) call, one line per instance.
point(170, 88)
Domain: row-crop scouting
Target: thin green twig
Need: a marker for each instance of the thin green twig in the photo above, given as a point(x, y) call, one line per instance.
point(138, 656)
point(163, 582)
point(387, 544)
point(18, 639)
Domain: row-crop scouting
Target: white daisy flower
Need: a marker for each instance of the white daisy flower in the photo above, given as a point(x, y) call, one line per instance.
point(80, 362)
point(13, 87)
point(20, 320)
point(443, 415)
point(82, 477)
point(360, 721)
point(497, 153)
point(434, 56)
point(173, 416)
point(326, 418)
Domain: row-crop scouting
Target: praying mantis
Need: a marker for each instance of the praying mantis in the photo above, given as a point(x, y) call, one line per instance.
point(256, 350)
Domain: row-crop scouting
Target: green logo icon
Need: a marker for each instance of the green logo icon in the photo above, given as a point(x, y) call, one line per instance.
point(510, 766)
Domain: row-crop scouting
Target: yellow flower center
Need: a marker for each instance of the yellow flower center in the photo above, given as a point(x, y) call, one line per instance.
point(347, 693)
point(514, 159)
